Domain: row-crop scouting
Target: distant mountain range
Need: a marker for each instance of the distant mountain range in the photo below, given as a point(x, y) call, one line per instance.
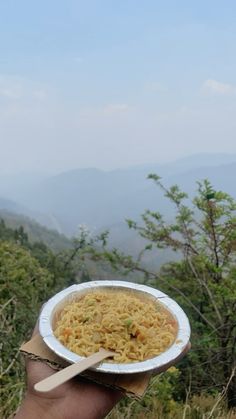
point(104, 199)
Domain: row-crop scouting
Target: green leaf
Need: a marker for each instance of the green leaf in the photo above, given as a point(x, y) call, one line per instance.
point(210, 196)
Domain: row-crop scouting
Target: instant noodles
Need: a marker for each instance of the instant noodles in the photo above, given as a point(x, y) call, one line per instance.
point(135, 329)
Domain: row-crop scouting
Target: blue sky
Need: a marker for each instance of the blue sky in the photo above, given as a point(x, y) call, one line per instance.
point(111, 84)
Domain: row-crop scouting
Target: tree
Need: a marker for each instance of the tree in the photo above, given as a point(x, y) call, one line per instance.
point(24, 285)
point(203, 232)
point(29, 275)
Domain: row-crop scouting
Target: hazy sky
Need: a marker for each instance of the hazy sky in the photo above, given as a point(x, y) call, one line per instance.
point(115, 83)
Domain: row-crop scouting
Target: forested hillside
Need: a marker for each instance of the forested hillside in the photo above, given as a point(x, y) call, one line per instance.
point(30, 273)
point(202, 279)
point(35, 231)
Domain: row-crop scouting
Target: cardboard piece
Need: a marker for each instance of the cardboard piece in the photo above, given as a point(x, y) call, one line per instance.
point(133, 385)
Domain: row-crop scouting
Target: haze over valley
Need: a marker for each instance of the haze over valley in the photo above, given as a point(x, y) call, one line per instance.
point(103, 200)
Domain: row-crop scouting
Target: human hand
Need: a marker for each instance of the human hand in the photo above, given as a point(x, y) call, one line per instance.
point(72, 400)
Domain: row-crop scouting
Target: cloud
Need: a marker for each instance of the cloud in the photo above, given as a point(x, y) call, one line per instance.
point(10, 91)
point(215, 86)
point(14, 88)
point(109, 110)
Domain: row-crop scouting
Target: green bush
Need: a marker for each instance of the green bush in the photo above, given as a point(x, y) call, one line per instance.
point(24, 285)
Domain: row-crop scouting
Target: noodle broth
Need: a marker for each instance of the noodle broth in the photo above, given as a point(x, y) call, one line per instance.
point(135, 326)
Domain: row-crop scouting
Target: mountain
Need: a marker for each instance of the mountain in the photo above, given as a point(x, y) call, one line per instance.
point(44, 219)
point(7, 204)
point(197, 161)
point(104, 199)
point(222, 177)
point(35, 231)
point(92, 197)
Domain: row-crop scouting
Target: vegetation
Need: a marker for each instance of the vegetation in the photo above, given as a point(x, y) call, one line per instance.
point(35, 232)
point(161, 402)
point(202, 279)
point(23, 284)
point(29, 275)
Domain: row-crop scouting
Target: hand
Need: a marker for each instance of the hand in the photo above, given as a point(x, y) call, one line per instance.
point(72, 400)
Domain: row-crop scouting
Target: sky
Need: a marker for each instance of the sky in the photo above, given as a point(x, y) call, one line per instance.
point(112, 84)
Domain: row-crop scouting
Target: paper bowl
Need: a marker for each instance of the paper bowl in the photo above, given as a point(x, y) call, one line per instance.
point(52, 309)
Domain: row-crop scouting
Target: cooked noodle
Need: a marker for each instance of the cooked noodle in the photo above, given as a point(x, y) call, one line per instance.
point(135, 329)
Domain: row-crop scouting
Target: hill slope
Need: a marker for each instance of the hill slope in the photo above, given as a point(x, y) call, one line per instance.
point(35, 231)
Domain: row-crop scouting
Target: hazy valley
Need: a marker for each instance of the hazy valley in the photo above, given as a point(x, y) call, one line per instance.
point(103, 200)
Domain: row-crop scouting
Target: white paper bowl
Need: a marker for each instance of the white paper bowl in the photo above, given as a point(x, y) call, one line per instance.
point(51, 310)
